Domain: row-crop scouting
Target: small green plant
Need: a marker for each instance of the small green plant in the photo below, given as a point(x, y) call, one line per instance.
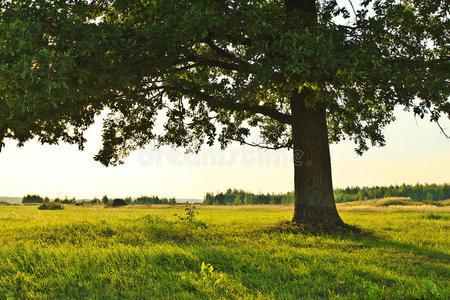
point(217, 281)
point(430, 287)
point(50, 206)
point(206, 269)
point(189, 217)
point(190, 213)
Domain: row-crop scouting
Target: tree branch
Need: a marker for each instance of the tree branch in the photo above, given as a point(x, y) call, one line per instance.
point(207, 62)
point(243, 142)
point(442, 130)
point(235, 106)
point(225, 53)
point(222, 52)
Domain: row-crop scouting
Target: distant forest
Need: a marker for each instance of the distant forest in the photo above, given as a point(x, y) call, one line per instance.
point(154, 200)
point(418, 192)
point(29, 199)
point(238, 197)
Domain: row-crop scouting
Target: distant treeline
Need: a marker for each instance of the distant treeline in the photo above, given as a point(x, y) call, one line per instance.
point(418, 192)
point(238, 197)
point(154, 200)
point(28, 199)
point(34, 199)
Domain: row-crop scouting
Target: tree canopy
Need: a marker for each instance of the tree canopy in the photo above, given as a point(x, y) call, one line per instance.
point(211, 70)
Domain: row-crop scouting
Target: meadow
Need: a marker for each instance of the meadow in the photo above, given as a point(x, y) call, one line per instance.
point(147, 252)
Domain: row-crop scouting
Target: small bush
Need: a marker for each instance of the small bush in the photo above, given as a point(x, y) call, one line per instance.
point(431, 202)
point(190, 213)
point(118, 202)
point(436, 217)
point(50, 206)
point(390, 202)
point(190, 217)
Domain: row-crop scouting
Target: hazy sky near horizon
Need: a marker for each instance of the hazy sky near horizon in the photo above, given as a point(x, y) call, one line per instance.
point(416, 151)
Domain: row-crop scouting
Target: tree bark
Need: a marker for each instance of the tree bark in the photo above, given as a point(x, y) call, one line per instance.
point(314, 199)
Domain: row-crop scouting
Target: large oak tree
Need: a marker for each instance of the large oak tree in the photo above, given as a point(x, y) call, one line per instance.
point(303, 72)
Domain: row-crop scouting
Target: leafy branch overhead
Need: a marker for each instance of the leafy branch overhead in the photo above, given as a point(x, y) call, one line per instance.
point(211, 70)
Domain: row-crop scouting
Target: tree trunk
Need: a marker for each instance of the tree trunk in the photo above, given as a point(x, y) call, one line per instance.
point(314, 199)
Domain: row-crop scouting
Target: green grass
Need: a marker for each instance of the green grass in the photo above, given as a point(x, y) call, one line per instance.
point(141, 253)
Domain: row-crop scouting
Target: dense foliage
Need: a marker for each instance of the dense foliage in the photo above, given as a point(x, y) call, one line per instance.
point(214, 69)
point(118, 202)
point(65, 201)
point(154, 200)
point(51, 206)
point(418, 192)
point(34, 199)
point(239, 197)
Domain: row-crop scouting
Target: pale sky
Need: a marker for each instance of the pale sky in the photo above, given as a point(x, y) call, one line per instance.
point(416, 151)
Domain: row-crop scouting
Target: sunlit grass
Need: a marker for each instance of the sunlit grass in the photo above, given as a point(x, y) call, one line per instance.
point(137, 252)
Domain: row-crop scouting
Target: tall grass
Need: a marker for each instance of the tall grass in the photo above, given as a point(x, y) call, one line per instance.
point(138, 253)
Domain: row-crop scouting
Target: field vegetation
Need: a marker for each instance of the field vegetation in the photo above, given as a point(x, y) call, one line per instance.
point(223, 252)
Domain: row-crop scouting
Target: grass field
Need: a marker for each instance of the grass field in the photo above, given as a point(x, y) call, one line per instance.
point(147, 252)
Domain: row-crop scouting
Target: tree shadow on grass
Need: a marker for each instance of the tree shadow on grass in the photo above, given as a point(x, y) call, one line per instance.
point(343, 230)
point(367, 238)
point(259, 270)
